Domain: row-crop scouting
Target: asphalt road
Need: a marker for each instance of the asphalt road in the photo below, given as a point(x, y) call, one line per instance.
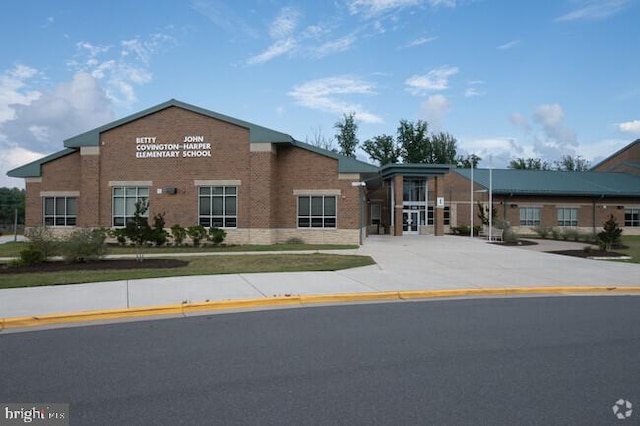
point(512, 361)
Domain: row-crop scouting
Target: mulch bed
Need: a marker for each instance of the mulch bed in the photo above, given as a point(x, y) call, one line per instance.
point(585, 254)
point(107, 264)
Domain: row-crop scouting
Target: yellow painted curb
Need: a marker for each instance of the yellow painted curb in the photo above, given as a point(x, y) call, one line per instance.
point(183, 308)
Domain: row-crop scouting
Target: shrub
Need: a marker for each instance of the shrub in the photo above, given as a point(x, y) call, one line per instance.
point(31, 256)
point(216, 235)
point(542, 231)
point(84, 245)
point(120, 235)
point(610, 235)
point(571, 234)
point(295, 240)
point(179, 234)
point(197, 233)
point(555, 233)
point(461, 229)
point(158, 235)
point(42, 240)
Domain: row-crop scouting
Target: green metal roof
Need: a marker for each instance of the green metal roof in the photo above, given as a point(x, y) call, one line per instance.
point(34, 169)
point(257, 133)
point(547, 182)
point(389, 170)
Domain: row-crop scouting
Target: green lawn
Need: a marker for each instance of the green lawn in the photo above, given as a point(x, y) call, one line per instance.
point(205, 265)
point(633, 242)
point(13, 249)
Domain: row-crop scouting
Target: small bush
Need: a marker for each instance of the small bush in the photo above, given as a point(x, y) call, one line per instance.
point(179, 234)
point(84, 245)
point(119, 234)
point(158, 235)
point(542, 231)
point(571, 235)
point(197, 233)
point(31, 256)
point(295, 240)
point(610, 235)
point(216, 235)
point(588, 249)
point(43, 240)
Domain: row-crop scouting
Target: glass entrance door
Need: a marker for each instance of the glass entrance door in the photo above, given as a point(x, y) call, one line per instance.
point(410, 221)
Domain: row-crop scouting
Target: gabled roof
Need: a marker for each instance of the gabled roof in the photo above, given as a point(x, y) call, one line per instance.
point(615, 154)
point(34, 168)
point(257, 133)
point(548, 182)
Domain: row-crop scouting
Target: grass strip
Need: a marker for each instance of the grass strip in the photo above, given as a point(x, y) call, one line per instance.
point(209, 265)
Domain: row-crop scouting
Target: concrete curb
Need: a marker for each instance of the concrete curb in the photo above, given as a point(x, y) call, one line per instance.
point(185, 308)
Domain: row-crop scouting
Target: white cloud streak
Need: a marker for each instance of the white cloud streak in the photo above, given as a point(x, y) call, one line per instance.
point(594, 10)
point(434, 80)
point(279, 48)
point(508, 45)
point(327, 94)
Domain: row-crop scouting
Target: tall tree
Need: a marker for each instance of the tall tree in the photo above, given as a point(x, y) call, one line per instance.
point(529, 164)
point(468, 161)
point(318, 139)
point(382, 149)
point(443, 149)
point(572, 164)
point(414, 141)
point(347, 134)
point(10, 199)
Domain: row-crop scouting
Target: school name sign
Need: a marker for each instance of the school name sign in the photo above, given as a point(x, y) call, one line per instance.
point(190, 147)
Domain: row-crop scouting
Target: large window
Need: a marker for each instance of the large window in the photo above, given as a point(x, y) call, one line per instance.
point(529, 216)
point(317, 211)
point(431, 216)
point(414, 191)
point(124, 203)
point(218, 206)
point(376, 214)
point(632, 217)
point(60, 211)
point(567, 217)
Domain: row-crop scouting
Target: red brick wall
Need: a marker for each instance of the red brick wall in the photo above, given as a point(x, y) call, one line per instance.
point(299, 169)
point(230, 159)
point(631, 153)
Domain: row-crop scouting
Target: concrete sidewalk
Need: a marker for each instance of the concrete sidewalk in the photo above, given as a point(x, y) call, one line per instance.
point(406, 263)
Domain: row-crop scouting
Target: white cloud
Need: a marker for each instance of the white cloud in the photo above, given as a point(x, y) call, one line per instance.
point(435, 79)
point(377, 7)
point(13, 90)
point(508, 45)
point(594, 9)
point(472, 92)
point(551, 117)
point(326, 94)
point(278, 48)
point(632, 126)
point(121, 69)
point(443, 3)
point(420, 41)
point(284, 24)
point(434, 109)
point(339, 45)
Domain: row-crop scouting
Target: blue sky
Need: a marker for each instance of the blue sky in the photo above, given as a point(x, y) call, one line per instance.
point(507, 78)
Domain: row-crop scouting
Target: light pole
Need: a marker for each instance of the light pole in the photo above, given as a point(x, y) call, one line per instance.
point(471, 205)
point(360, 185)
point(490, 197)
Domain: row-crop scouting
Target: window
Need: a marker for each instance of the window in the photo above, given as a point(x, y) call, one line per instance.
point(567, 217)
point(218, 206)
point(431, 217)
point(529, 216)
point(124, 203)
point(376, 214)
point(414, 191)
point(60, 211)
point(317, 211)
point(632, 217)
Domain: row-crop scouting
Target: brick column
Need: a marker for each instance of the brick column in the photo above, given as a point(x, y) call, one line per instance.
point(262, 211)
point(398, 187)
point(89, 200)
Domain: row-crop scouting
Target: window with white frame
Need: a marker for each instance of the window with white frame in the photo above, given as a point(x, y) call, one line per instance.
point(218, 206)
point(60, 211)
point(124, 203)
point(567, 216)
point(632, 217)
point(316, 211)
point(529, 216)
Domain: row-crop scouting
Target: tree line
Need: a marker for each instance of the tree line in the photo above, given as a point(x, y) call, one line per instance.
point(413, 143)
point(10, 199)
